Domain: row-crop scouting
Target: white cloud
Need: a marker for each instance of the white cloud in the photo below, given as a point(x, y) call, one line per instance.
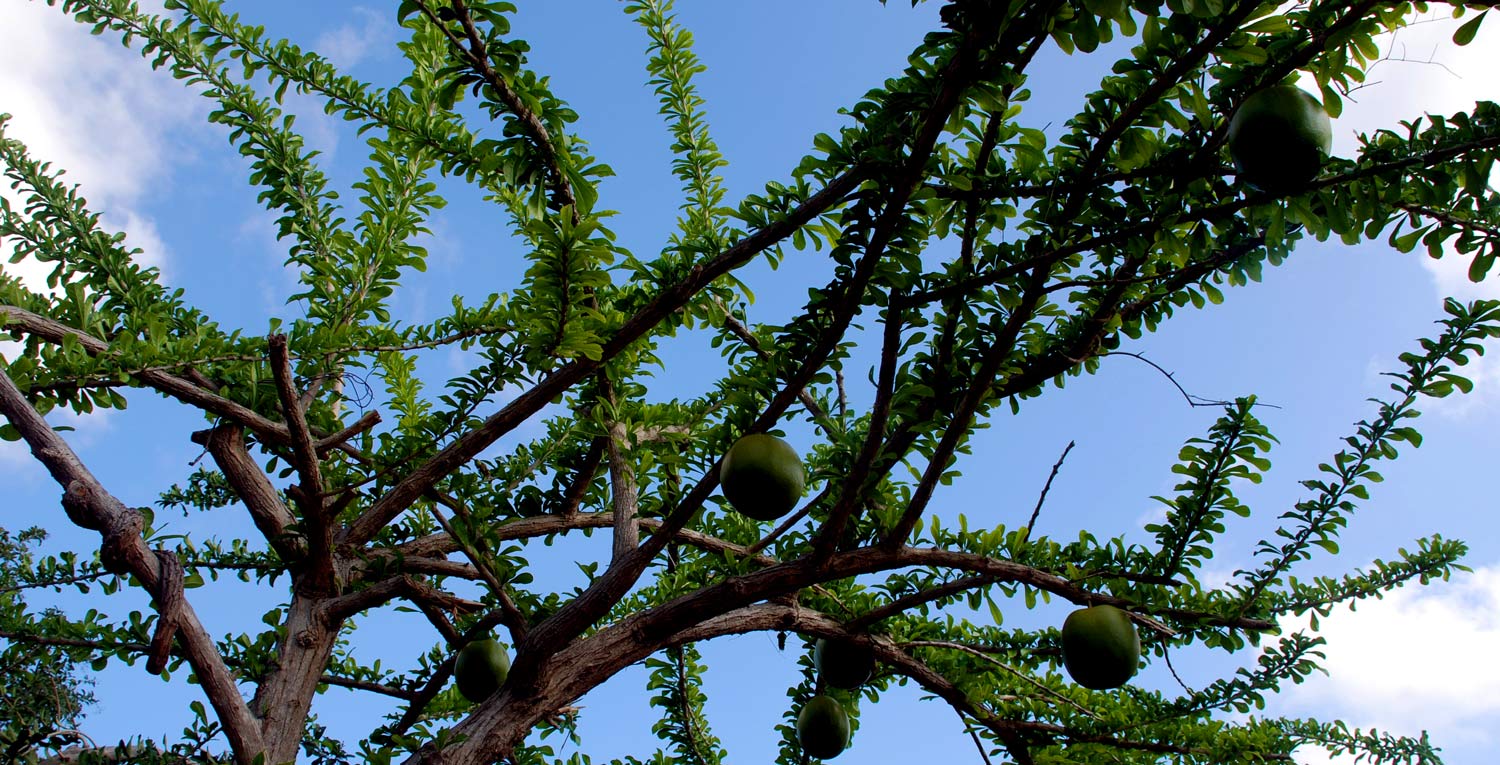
point(1311, 755)
point(1425, 73)
point(349, 45)
point(95, 109)
point(1423, 658)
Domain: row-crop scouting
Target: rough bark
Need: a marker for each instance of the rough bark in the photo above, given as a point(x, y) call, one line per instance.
point(283, 699)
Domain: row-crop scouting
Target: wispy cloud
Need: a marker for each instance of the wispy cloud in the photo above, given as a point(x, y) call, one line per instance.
point(367, 33)
point(94, 109)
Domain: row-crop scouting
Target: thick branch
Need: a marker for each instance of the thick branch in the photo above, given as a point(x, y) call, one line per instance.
point(623, 497)
point(227, 445)
point(179, 388)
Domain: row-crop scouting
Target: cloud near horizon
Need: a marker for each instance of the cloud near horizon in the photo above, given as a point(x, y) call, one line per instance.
point(1427, 74)
point(1384, 670)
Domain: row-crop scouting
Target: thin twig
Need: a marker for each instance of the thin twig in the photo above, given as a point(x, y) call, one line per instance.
point(514, 620)
point(977, 742)
point(851, 489)
point(369, 420)
point(791, 521)
point(1037, 511)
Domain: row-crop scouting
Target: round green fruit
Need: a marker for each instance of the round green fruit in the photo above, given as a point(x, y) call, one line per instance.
point(1278, 139)
point(822, 728)
point(762, 477)
point(844, 663)
point(480, 669)
point(1100, 647)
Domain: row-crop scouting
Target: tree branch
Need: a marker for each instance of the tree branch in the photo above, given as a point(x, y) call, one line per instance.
point(623, 498)
point(319, 576)
point(700, 275)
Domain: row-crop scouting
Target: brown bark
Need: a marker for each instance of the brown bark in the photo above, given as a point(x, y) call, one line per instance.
point(317, 576)
point(623, 495)
point(283, 699)
point(271, 516)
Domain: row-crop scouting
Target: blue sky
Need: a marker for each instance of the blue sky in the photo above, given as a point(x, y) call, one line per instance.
point(1311, 339)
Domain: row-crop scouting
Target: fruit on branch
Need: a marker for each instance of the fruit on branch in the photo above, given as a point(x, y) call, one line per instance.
point(480, 669)
point(1278, 139)
point(1100, 647)
point(762, 476)
point(844, 663)
point(822, 727)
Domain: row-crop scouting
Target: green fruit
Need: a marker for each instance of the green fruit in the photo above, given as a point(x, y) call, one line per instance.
point(1278, 139)
point(822, 728)
point(762, 477)
point(480, 669)
point(1100, 647)
point(844, 663)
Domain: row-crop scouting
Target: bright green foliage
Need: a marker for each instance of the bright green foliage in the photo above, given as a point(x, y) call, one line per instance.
point(677, 681)
point(994, 260)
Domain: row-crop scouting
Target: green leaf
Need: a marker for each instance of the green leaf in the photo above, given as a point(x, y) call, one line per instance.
point(1465, 34)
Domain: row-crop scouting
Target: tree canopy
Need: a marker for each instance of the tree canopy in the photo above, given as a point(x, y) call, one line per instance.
point(978, 261)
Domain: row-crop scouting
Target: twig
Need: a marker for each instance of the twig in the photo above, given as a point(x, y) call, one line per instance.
point(1191, 399)
point(514, 620)
point(368, 420)
point(977, 743)
point(791, 521)
point(1166, 653)
point(851, 489)
point(440, 622)
point(1037, 511)
point(908, 602)
point(820, 415)
point(1018, 674)
point(573, 497)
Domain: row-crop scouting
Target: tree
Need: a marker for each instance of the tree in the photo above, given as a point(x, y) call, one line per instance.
point(993, 264)
point(40, 694)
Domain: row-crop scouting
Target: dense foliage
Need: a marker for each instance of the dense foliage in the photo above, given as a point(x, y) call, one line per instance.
point(991, 263)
